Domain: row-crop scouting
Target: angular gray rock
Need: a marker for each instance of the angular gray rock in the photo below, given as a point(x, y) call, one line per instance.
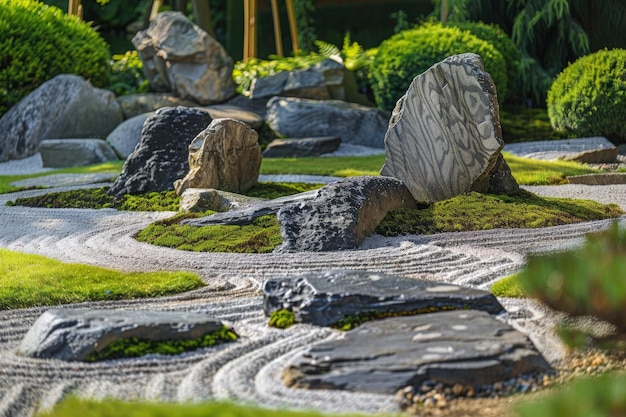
point(444, 137)
point(63, 153)
point(353, 123)
point(320, 82)
point(594, 150)
point(66, 106)
point(198, 200)
point(225, 156)
point(161, 157)
point(73, 334)
point(325, 298)
point(297, 148)
point(126, 136)
point(180, 57)
point(453, 347)
point(598, 179)
point(341, 215)
point(135, 104)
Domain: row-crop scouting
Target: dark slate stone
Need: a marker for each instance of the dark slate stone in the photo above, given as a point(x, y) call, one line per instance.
point(161, 156)
point(342, 214)
point(73, 334)
point(297, 148)
point(453, 347)
point(325, 298)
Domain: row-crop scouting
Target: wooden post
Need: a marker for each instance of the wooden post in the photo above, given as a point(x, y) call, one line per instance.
point(249, 29)
point(277, 34)
point(74, 8)
point(202, 11)
point(292, 26)
point(156, 4)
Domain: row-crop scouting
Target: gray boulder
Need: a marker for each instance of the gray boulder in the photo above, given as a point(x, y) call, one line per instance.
point(180, 57)
point(297, 148)
point(453, 347)
point(126, 136)
point(353, 123)
point(73, 334)
point(594, 150)
point(135, 104)
point(326, 298)
point(67, 106)
point(229, 111)
point(197, 200)
point(62, 153)
point(444, 137)
point(225, 156)
point(341, 215)
point(161, 157)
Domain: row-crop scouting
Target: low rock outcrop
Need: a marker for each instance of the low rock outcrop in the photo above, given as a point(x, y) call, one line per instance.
point(298, 148)
point(198, 200)
point(62, 153)
point(135, 104)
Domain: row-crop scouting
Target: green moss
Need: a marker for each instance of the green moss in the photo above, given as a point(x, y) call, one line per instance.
point(282, 319)
point(476, 211)
point(134, 347)
point(508, 287)
point(271, 190)
point(337, 167)
point(352, 321)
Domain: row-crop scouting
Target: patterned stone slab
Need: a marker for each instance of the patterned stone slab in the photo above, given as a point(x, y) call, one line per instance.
point(454, 347)
point(444, 134)
point(325, 298)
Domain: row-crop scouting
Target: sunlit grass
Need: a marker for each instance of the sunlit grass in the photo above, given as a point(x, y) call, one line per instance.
point(528, 171)
point(331, 166)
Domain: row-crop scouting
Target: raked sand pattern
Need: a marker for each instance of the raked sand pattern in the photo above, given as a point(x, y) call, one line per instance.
point(248, 370)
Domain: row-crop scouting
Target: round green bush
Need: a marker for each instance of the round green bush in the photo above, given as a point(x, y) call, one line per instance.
point(503, 43)
point(589, 97)
point(411, 52)
point(39, 42)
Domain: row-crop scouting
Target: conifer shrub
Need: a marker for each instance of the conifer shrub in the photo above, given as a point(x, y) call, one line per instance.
point(411, 52)
point(589, 97)
point(39, 42)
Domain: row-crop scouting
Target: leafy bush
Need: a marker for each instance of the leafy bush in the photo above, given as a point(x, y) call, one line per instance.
point(502, 42)
point(588, 281)
point(127, 75)
point(411, 52)
point(589, 97)
point(39, 42)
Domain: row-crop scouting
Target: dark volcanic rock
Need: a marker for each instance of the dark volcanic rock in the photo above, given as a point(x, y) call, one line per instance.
point(342, 214)
point(296, 148)
point(383, 356)
point(161, 156)
point(325, 298)
point(72, 334)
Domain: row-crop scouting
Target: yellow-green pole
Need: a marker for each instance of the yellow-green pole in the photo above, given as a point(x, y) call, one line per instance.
point(292, 26)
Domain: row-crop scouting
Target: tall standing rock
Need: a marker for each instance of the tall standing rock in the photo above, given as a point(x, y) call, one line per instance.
point(225, 156)
point(179, 56)
point(160, 157)
point(66, 106)
point(444, 137)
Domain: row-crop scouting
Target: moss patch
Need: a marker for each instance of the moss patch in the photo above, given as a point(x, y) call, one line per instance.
point(355, 320)
point(134, 347)
point(476, 211)
point(282, 319)
point(508, 287)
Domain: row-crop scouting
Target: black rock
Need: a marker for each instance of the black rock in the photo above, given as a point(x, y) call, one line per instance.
point(383, 356)
point(325, 298)
point(161, 157)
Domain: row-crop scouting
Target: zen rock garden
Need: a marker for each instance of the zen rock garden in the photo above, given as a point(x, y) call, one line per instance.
point(405, 335)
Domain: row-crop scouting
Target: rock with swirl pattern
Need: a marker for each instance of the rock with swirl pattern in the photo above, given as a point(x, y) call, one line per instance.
point(444, 136)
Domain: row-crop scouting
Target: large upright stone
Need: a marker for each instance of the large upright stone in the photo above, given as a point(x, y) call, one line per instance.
point(179, 56)
point(353, 123)
point(225, 156)
point(341, 214)
point(465, 347)
point(444, 137)
point(73, 334)
point(326, 298)
point(161, 156)
point(67, 106)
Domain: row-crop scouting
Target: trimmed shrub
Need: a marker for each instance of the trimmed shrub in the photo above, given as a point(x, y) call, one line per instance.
point(411, 52)
point(502, 42)
point(589, 97)
point(39, 42)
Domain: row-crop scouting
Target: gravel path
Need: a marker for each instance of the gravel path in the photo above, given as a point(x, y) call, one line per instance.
point(248, 370)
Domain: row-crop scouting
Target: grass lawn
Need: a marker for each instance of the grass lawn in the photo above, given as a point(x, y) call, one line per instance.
point(32, 280)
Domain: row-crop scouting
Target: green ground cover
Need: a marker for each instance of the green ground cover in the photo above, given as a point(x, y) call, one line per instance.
point(32, 280)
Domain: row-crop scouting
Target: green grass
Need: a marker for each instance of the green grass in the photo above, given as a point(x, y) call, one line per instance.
point(509, 287)
point(336, 167)
point(74, 407)
point(33, 280)
point(528, 171)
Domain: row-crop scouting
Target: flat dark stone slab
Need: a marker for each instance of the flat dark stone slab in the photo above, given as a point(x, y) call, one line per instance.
point(73, 334)
point(383, 356)
point(327, 297)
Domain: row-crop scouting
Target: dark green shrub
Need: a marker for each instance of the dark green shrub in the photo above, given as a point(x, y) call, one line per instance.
point(502, 42)
point(589, 97)
point(127, 75)
point(411, 52)
point(39, 42)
